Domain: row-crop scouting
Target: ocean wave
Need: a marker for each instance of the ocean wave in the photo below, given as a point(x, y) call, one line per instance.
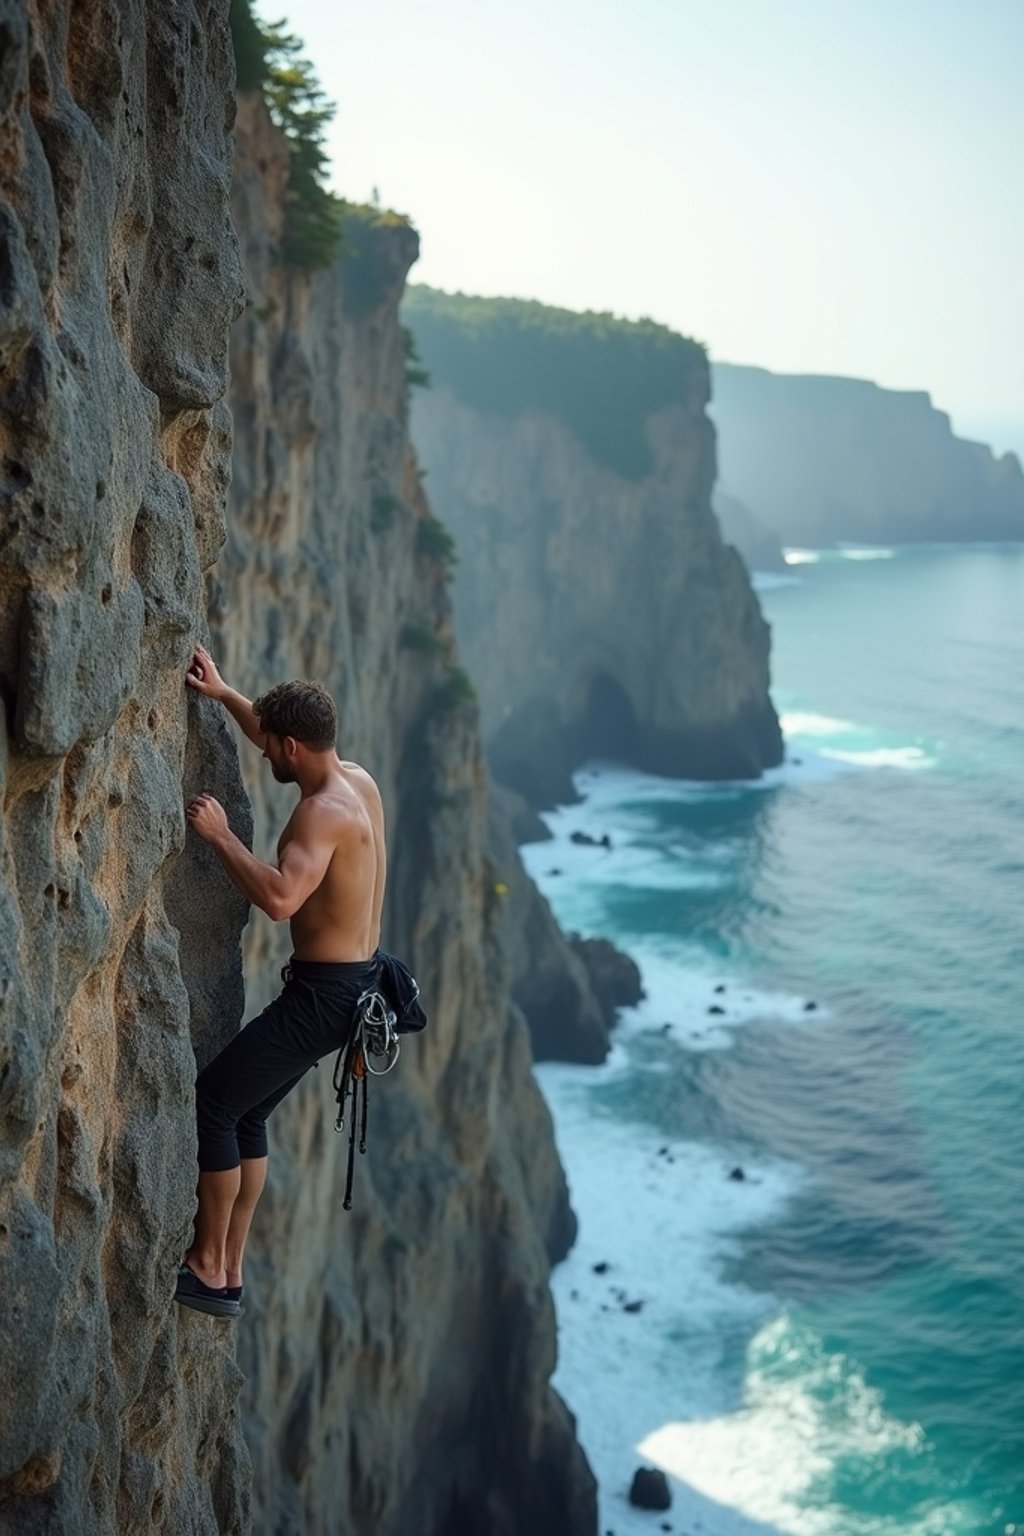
point(619, 1370)
point(805, 1411)
point(799, 723)
point(746, 1412)
point(766, 581)
point(881, 757)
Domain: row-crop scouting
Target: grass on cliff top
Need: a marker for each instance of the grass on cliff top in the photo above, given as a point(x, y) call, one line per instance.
point(600, 375)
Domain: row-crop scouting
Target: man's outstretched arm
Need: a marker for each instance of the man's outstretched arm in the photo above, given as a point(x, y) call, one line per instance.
point(278, 890)
point(204, 678)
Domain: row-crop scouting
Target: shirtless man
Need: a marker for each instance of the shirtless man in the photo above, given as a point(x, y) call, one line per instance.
point(328, 882)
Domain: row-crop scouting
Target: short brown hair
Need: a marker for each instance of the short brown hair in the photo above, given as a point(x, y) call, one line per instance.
point(300, 709)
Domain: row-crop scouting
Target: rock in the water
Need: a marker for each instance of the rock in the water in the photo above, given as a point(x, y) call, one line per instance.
point(633, 1306)
point(551, 983)
point(716, 1008)
point(737, 1174)
point(809, 1007)
point(650, 1489)
point(614, 976)
point(720, 987)
point(601, 1267)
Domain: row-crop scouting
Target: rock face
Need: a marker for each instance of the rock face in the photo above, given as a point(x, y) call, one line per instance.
point(119, 278)
point(821, 460)
point(614, 977)
point(602, 612)
point(399, 1355)
point(550, 981)
point(757, 544)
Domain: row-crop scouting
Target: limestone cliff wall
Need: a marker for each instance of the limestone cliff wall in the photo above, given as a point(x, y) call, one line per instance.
point(119, 277)
point(398, 1355)
point(601, 611)
point(823, 459)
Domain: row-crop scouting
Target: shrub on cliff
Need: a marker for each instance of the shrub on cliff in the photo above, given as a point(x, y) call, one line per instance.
point(268, 59)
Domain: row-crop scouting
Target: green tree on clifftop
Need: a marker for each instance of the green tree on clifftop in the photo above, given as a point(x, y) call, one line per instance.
point(268, 59)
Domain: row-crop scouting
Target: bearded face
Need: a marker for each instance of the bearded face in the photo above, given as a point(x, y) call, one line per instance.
point(275, 755)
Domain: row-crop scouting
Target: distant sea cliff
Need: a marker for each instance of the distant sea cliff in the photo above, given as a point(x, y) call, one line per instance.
point(820, 460)
point(573, 459)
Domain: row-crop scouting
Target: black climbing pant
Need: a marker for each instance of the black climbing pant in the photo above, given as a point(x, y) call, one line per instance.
point(312, 1016)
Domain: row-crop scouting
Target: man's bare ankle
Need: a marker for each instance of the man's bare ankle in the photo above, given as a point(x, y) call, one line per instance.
point(206, 1269)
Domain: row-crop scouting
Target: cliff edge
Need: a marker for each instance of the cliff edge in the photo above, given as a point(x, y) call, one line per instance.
point(573, 460)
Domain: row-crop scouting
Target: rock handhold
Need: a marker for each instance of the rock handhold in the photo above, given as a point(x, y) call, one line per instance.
point(650, 1489)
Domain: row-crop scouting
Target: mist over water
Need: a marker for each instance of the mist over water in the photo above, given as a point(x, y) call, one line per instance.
point(834, 1344)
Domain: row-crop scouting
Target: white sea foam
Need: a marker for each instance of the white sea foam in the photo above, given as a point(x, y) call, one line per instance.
point(797, 723)
point(664, 1223)
point(865, 552)
point(801, 556)
point(881, 757)
point(803, 1408)
point(708, 1380)
point(765, 581)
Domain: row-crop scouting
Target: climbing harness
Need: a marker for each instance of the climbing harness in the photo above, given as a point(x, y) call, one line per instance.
point(374, 1038)
point(372, 1047)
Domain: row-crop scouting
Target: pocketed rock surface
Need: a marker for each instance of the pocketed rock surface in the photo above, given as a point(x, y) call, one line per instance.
point(119, 279)
point(393, 1365)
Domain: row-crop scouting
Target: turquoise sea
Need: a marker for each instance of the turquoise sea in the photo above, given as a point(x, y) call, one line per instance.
point(834, 1343)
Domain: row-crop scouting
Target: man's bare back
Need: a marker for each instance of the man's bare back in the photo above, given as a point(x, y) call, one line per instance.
point(340, 918)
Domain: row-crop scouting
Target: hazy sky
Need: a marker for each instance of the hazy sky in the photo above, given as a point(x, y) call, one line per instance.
point(828, 186)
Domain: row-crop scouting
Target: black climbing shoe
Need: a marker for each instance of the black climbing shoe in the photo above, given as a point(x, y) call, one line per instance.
point(193, 1292)
point(234, 1293)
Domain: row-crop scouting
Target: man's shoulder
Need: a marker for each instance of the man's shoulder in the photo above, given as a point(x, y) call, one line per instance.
point(361, 782)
